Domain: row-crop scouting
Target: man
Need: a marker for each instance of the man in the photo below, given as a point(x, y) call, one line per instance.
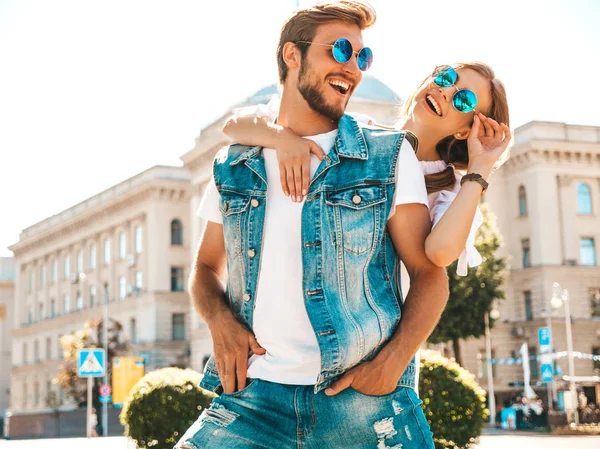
point(313, 291)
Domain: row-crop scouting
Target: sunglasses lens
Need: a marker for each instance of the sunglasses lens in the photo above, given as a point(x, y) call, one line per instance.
point(445, 77)
point(342, 50)
point(464, 100)
point(365, 58)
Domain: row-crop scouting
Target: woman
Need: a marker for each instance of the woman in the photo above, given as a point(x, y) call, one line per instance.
point(460, 117)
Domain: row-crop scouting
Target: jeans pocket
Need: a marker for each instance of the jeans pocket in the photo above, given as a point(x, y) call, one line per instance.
point(249, 384)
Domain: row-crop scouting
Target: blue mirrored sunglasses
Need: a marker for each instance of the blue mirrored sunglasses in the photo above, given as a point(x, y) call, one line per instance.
point(463, 100)
point(342, 52)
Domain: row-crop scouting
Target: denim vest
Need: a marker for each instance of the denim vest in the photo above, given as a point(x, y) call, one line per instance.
point(351, 276)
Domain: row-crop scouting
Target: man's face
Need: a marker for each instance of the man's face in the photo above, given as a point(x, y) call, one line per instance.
point(324, 83)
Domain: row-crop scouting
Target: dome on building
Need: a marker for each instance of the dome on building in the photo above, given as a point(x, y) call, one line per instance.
point(369, 89)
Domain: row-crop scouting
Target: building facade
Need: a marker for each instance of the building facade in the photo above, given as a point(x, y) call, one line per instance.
point(7, 297)
point(547, 202)
point(129, 245)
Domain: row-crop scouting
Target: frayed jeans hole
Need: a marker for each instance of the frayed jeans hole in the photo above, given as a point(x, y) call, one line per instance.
point(220, 416)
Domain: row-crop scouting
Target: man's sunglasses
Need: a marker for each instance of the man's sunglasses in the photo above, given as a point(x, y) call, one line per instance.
point(342, 52)
point(463, 100)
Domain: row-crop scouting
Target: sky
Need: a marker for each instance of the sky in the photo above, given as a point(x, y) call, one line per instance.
point(92, 93)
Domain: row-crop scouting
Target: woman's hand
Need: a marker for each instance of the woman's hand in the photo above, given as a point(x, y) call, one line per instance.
point(487, 141)
point(293, 153)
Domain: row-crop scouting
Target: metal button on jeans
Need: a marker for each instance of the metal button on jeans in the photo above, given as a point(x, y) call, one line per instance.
point(251, 253)
point(356, 199)
point(246, 297)
point(254, 202)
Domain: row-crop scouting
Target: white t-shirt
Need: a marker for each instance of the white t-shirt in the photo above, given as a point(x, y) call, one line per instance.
point(280, 321)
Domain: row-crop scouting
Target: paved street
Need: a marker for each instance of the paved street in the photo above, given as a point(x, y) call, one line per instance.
point(518, 441)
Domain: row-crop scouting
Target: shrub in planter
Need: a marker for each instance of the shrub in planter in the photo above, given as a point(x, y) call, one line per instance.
point(453, 402)
point(162, 405)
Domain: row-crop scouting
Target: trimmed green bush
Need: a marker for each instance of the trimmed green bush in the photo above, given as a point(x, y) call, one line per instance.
point(162, 405)
point(453, 402)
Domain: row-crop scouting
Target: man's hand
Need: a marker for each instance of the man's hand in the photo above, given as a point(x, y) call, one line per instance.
point(370, 378)
point(232, 344)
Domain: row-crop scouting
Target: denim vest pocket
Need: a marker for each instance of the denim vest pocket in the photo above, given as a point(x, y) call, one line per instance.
point(355, 215)
point(233, 203)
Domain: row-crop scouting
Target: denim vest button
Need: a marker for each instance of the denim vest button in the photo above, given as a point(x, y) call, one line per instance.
point(254, 202)
point(356, 199)
point(251, 253)
point(246, 297)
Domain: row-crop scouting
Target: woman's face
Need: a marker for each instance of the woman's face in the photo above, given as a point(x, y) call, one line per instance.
point(432, 107)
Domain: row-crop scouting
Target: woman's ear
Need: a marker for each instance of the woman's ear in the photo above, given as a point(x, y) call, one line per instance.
point(463, 134)
point(291, 55)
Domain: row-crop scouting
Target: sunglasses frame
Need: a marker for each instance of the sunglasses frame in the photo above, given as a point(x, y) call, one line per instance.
point(442, 68)
point(332, 46)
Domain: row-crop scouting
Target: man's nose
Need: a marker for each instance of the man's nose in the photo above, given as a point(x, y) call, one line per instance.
point(352, 66)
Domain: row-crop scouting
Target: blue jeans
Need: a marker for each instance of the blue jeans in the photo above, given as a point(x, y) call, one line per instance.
point(275, 416)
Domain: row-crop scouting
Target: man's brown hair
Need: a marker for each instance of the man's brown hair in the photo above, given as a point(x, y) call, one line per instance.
point(302, 25)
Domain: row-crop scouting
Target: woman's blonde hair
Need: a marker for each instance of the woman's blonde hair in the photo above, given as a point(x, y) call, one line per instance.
point(452, 151)
point(303, 24)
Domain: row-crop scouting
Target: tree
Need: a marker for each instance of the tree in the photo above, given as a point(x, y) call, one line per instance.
point(90, 336)
point(473, 295)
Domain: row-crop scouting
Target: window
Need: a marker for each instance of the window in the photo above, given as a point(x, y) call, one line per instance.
point(30, 280)
point(122, 245)
point(138, 239)
point(79, 301)
point(595, 302)
point(25, 393)
point(66, 304)
point(528, 307)
point(107, 251)
point(48, 349)
point(533, 363)
point(525, 253)
point(178, 326)
point(122, 288)
point(587, 251)
point(522, 202)
point(43, 276)
point(52, 308)
point(67, 267)
point(176, 279)
point(54, 271)
point(29, 314)
point(36, 393)
point(138, 281)
point(133, 329)
point(25, 354)
point(176, 232)
point(596, 351)
point(584, 200)
point(36, 351)
point(93, 257)
point(60, 348)
point(92, 296)
point(41, 316)
point(106, 298)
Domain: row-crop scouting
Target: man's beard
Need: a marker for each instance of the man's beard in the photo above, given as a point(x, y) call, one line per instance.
point(315, 97)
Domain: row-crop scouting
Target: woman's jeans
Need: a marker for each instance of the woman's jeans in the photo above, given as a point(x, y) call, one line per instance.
point(275, 416)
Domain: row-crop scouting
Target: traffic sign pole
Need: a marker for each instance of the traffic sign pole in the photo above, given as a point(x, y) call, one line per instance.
point(88, 427)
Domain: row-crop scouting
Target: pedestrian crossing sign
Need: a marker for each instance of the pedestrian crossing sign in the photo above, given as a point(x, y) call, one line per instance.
point(91, 362)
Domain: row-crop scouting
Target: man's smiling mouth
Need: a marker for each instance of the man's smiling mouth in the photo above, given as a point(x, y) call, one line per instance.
point(342, 87)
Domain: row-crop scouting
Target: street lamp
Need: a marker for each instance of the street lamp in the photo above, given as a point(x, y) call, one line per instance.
point(560, 297)
point(83, 278)
point(494, 314)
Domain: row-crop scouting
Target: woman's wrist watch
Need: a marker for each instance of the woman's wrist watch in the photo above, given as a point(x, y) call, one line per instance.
point(477, 178)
